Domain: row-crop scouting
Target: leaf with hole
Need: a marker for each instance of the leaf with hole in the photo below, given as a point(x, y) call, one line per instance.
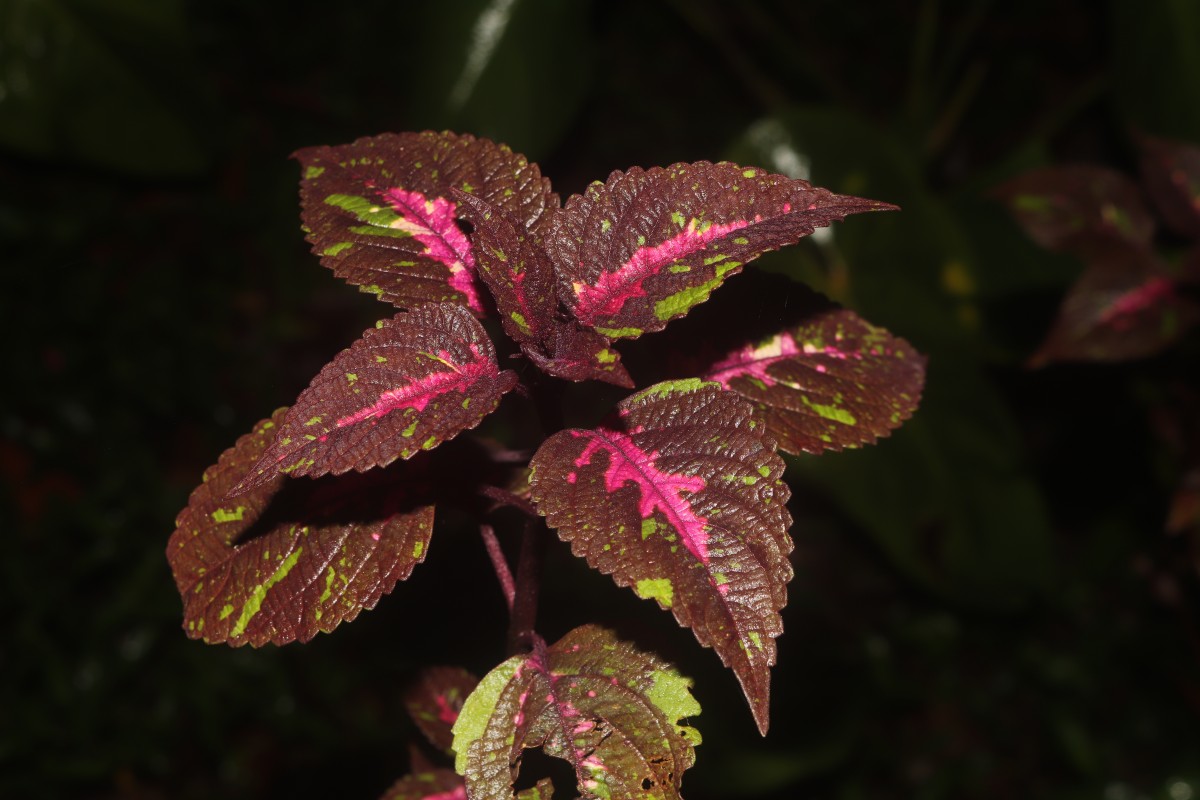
point(645, 247)
point(380, 211)
point(408, 385)
point(616, 714)
point(681, 498)
point(281, 563)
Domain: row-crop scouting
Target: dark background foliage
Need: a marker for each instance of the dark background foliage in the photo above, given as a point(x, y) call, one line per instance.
point(986, 604)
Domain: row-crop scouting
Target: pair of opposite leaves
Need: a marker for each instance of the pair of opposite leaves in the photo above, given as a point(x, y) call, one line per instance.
point(680, 496)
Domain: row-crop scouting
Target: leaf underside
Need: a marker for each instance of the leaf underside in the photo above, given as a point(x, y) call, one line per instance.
point(681, 498)
point(645, 247)
point(408, 385)
point(828, 382)
point(435, 700)
point(608, 709)
point(283, 563)
point(380, 211)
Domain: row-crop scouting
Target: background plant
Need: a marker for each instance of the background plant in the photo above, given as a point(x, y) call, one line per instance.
point(998, 608)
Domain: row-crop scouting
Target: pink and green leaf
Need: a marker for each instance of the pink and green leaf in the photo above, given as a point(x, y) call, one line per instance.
point(681, 498)
point(435, 784)
point(645, 247)
point(830, 382)
point(435, 700)
point(614, 713)
point(513, 264)
point(408, 385)
point(380, 211)
point(1171, 175)
point(1059, 207)
point(279, 564)
point(1125, 306)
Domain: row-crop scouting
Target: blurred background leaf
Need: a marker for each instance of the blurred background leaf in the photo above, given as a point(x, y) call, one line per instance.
point(986, 603)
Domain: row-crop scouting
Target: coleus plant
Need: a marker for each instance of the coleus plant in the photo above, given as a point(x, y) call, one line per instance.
point(678, 494)
point(1134, 298)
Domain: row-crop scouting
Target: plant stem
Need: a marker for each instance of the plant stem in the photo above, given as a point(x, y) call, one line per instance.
point(499, 564)
point(529, 573)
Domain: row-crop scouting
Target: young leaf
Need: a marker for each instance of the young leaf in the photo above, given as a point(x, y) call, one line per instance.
point(830, 382)
point(610, 710)
point(437, 784)
point(413, 382)
point(280, 565)
point(513, 263)
point(681, 498)
point(379, 212)
point(645, 247)
point(1171, 174)
point(435, 700)
point(1061, 206)
point(1125, 306)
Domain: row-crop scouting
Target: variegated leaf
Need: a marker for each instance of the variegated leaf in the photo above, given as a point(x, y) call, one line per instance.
point(410, 384)
point(380, 212)
point(1171, 174)
point(1061, 206)
point(646, 246)
point(283, 563)
point(681, 498)
point(435, 700)
point(611, 711)
point(829, 382)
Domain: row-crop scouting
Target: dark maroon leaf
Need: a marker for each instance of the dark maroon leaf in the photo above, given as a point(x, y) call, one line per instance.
point(435, 700)
point(682, 499)
point(409, 384)
point(645, 247)
point(1061, 206)
point(1125, 306)
point(1184, 512)
point(833, 381)
point(577, 354)
point(610, 710)
point(278, 564)
point(437, 784)
point(380, 213)
point(513, 263)
point(1171, 174)
point(514, 266)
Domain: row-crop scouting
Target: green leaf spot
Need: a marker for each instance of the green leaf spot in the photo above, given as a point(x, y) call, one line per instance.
point(254, 604)
point(313, 172)
point(334, 249)
point(659, 589)
point(225, 515)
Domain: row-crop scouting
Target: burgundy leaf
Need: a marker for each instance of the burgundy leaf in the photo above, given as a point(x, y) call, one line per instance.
point(833, 381)
point(645, 247)
point(435, 700)
point(437, 784)
point(516, 269)
point(682, 499)
point(379, 211)
point(1171, 174)
point(1061, 206)
point(1125, 306)
point(280, 564)
point(610, 710)
point(413, 382)
point(577, 354)
point(513, 263)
